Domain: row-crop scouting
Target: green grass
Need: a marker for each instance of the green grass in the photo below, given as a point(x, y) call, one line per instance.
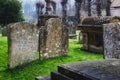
point(41, 68)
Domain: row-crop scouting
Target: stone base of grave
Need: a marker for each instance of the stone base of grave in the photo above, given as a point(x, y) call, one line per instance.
point(88, 70)
point(42, 78)
point(72, 36)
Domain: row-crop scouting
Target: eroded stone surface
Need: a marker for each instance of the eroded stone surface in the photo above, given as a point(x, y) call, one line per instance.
point(92, 70)
point(111, 40)
point(53, 39)
point(23, 43)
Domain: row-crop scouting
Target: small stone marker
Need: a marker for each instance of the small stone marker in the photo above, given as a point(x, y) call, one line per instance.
point(4, 31)
point(22, 43)
point(111, 36)
point(53, 39)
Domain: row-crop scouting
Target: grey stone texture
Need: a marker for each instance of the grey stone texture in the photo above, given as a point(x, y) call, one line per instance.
point(89, 70)
point(42, 78)
point(111, 36)
point(53, 40)
point(22, 43)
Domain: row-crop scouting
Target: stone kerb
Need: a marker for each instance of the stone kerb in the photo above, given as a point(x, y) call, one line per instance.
point(53, 39)
point(22, 43)
point(111, 36)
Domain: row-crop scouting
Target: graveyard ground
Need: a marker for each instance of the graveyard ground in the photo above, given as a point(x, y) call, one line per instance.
point(41, 68)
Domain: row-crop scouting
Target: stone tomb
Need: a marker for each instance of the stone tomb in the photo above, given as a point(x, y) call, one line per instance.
point(22, 43)
point(53, 40)
point(88, 70)
point(92, 32)
point(111, 35)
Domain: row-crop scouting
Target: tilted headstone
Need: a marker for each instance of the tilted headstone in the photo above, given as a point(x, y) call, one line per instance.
point(53, 39)
point(111, 36)
point(22, 43)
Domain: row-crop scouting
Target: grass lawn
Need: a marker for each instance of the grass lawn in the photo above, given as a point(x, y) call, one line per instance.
point(41, 68)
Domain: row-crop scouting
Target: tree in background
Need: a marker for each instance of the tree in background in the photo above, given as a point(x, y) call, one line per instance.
point(10, 11)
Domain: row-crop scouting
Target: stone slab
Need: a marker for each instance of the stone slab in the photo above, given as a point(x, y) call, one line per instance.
point(22, 43)
point(58, 76)
point(92, 70)
point(43, 78)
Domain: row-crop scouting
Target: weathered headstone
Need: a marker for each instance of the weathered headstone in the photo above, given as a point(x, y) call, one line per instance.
point(53, 39)
point(111, 36)
point(22, 43)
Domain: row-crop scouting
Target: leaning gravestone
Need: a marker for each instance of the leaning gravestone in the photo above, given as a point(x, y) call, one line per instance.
point(22, 43)
point(111, 36)
point(53, 39)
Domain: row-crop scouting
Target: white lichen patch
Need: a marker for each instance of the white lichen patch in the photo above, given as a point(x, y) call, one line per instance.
point(45, 54)
point(23, 30)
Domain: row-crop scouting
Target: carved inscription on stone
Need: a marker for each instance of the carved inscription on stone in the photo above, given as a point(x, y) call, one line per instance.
point(53, 39)
point(23, 43)
point(112, 40)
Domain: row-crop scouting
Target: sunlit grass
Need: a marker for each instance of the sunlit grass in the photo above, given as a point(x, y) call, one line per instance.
point(41, 68)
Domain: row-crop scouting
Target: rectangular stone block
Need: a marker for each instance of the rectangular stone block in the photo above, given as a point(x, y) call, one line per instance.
point(111, 36)
point(91, 70)
point(22, 43)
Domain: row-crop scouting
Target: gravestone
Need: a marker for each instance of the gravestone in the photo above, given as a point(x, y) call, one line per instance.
point(22, 43)
point(111, 36)
point(4, 31)
point(80, 38)
point(72, 29)
point(53, 39)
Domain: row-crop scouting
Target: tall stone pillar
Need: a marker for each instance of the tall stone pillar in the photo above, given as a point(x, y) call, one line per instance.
point(78, 6)
point(108, 5)
point(99, 8)
point(39, 8)
point(54, 7)
point(48, 7)
point(89, 7)
point(64, 11)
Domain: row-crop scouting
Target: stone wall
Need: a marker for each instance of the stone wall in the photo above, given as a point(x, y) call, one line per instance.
point(53, 39)
point(111, 36)
point(22, 43)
